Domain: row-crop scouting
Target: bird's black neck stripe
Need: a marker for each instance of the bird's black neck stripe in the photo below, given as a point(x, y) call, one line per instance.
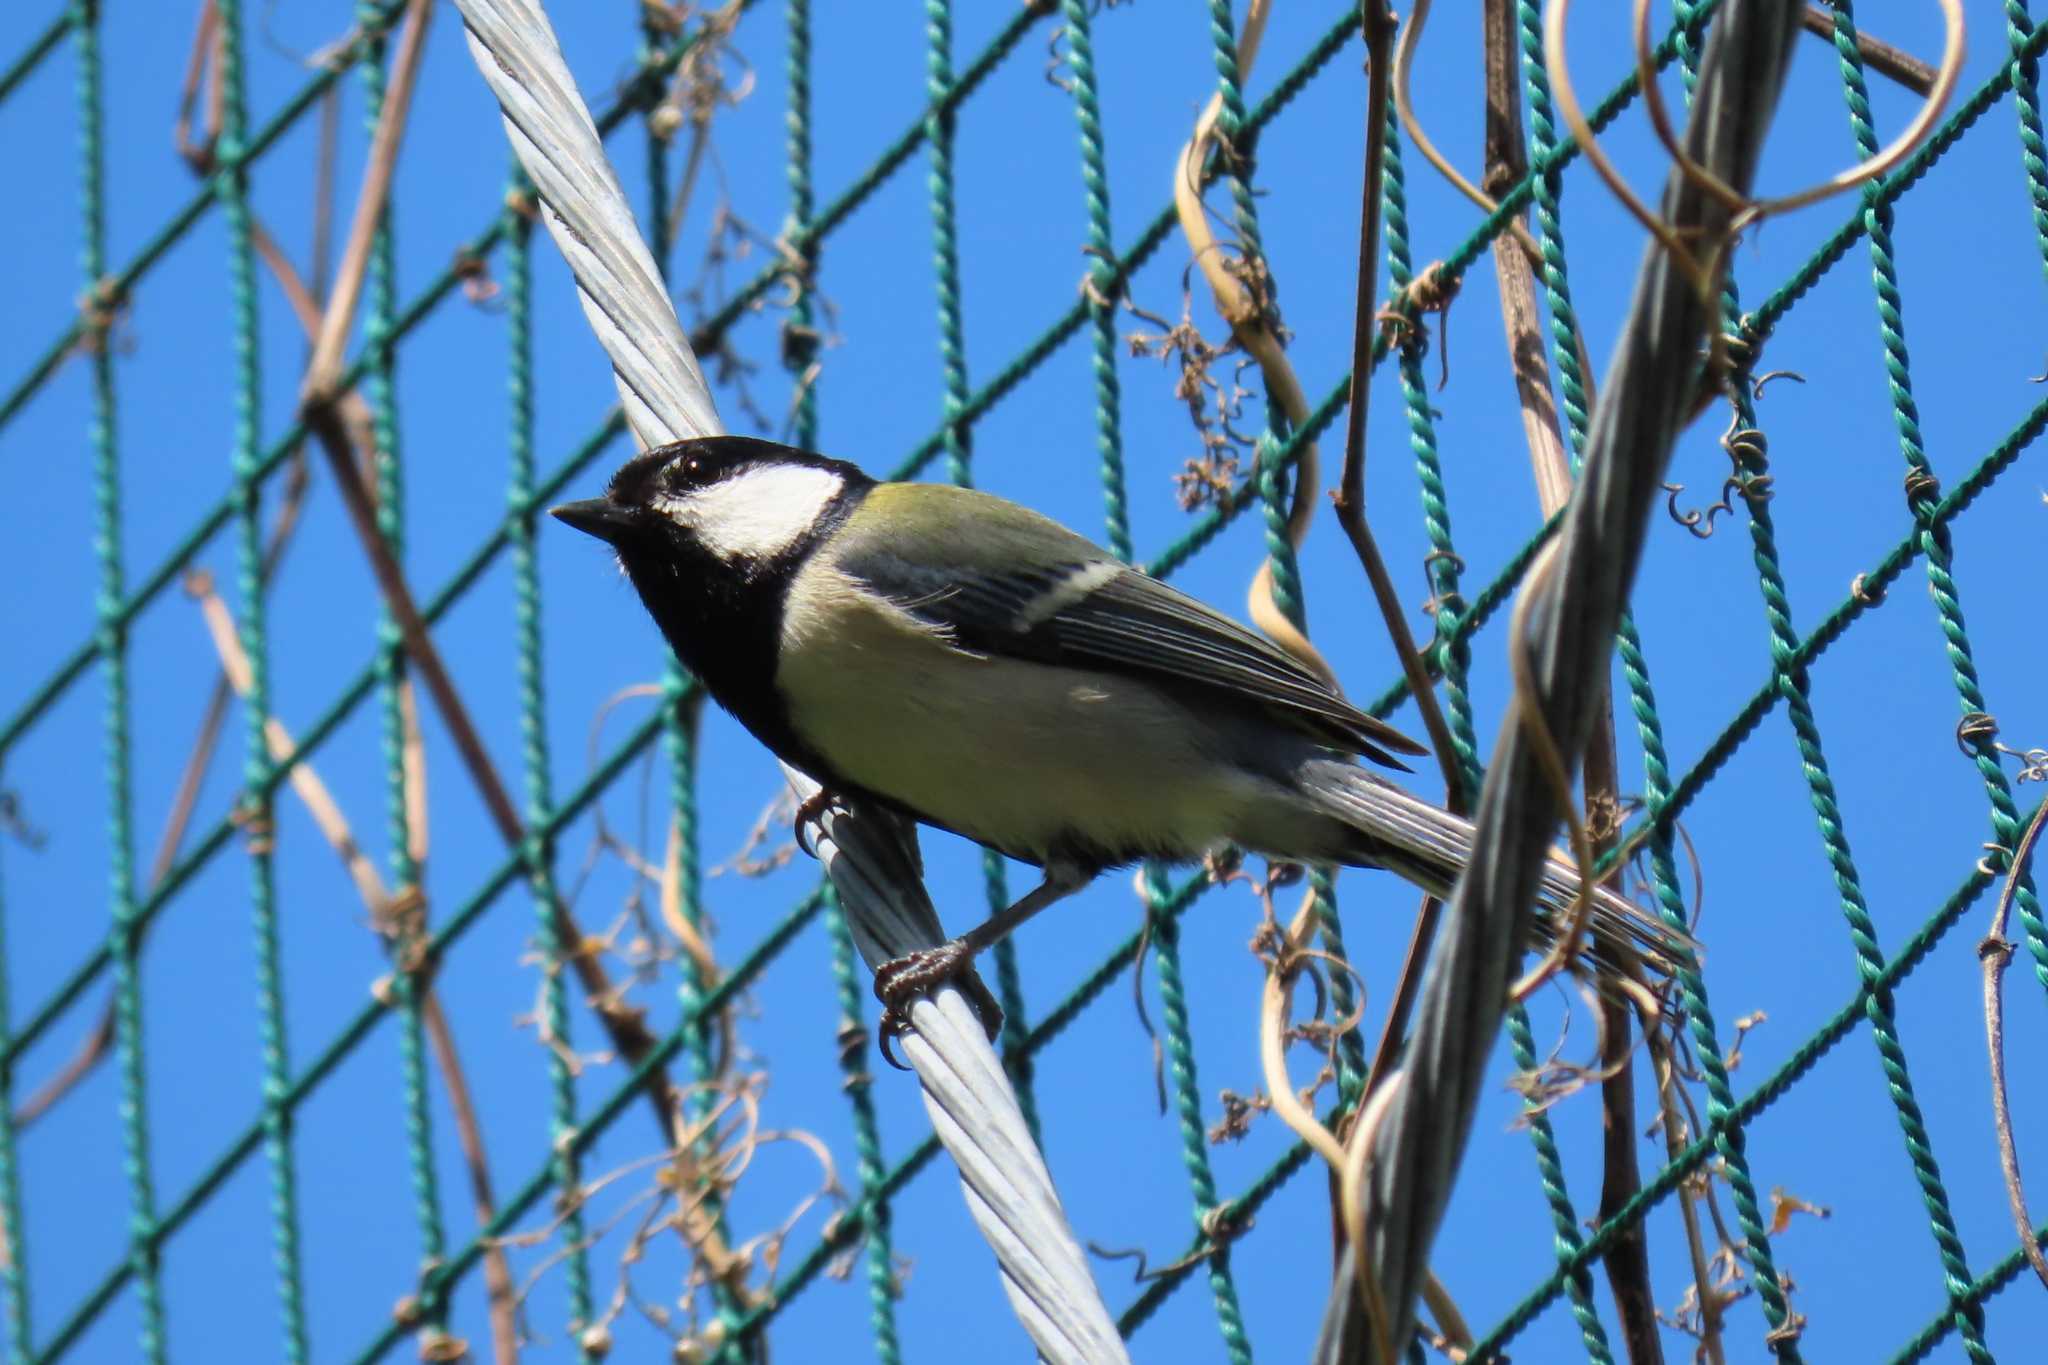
point(723, 617)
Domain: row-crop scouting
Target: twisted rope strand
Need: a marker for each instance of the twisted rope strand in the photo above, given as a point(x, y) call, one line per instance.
point(257, 806)
point(112, 640)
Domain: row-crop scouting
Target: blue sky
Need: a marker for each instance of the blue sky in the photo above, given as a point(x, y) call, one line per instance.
point(1914, 809)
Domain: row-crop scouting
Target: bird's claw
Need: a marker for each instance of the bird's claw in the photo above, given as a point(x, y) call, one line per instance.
point(900, 981)
point(809, 817)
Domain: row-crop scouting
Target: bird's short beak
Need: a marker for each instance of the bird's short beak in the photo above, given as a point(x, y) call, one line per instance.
point(598, 517)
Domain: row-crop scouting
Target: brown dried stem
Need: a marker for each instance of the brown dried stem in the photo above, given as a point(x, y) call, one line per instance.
point(1378, 26)
point(1252, 323)
point(1485, 197)
point(1350, 495)
point(202, 65)
point(1995, 951)
point(624, 1024)
point(1246, 309)
point(334, 827)
point(1881, 57)
point(499, 1288)
point(325, 367)
point(306, 307)
point(305, 781)
point(1350, 504)
point(1677, 1134)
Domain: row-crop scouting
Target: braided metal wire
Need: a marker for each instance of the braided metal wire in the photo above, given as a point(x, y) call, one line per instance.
point(1565, 356)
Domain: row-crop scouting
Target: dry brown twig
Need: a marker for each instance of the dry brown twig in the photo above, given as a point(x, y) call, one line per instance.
point(1382, 1081)
point(324, 369)
point(1743, 1024)
point(625, 1024)
point(729, 239)
point(767, 832)
point(704, 1234)
point(343, 421)
point(386, 912)
point(1701, 261)
point(354, 416)
point(1719, 1279)
point(1349, 498)
point(1995, 952)
point(1286, 953)
point(697, 91)
point(1242, 290)
point(1888, 61)
point(1404, 61)
point(304, 779)
point(1907, 70)
point(1288, 959)
point(1700, 1314)
point(202, 65)
point(693, 1177)
point(1215, 406)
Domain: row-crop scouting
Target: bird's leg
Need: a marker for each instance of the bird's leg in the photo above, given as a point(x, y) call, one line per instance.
point(902, 980)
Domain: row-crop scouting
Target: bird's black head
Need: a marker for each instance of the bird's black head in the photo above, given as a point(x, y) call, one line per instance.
point(711, 531)
point(744, 504)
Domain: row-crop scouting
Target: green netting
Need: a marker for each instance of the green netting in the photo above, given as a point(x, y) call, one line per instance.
point(876, 1179)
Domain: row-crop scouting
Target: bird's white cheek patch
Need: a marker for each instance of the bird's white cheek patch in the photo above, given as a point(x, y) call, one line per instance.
point(757, 513)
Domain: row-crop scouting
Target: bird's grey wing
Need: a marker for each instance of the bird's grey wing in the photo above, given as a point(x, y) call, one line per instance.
point(1092, 612)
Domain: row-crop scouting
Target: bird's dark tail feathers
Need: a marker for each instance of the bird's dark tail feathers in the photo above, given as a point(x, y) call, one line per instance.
point(1429, 847)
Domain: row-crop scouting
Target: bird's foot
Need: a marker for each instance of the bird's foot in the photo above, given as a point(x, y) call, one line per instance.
point(900, 981)
point(809, 815)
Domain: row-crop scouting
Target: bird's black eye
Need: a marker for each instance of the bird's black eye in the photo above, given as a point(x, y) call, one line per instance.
point(692, 471)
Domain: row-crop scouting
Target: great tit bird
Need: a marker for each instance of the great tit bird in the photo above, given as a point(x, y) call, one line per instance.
point(978, 667)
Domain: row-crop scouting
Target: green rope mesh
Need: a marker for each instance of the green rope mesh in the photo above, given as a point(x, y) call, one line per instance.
point(112, 641)
point(554, 1004)
point(406, 933)
point(1218, 1218)
point(14, 1273)
point(256, 812)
